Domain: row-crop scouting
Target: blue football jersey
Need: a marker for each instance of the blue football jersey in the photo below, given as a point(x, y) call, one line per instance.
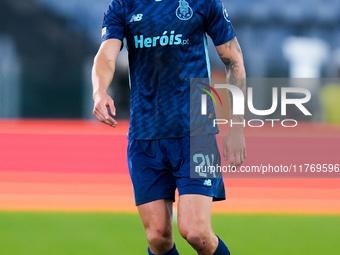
point(166, 41)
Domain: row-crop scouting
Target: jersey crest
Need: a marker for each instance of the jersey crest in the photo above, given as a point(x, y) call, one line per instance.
point(184, 11)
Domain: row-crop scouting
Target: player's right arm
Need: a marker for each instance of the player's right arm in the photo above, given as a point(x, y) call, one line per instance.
point(102, 75)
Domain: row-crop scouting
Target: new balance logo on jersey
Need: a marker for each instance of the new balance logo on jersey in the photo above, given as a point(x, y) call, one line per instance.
point(136, 17)
point(163, 40)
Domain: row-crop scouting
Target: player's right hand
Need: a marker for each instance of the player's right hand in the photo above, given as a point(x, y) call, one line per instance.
point(101, 102)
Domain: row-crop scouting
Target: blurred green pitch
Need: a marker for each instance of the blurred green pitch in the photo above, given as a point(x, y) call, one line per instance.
point(39, 233)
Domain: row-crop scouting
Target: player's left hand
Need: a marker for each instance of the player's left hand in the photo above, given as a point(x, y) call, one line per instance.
point(234, 146)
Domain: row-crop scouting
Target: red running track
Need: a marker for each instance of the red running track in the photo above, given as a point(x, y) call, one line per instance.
point(81, 166)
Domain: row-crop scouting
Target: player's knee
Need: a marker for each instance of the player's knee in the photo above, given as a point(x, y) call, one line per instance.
point(198, 237)
point(193, 236)
point(159, 237)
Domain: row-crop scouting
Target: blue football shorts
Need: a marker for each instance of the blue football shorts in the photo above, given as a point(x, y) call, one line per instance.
point(158, 167)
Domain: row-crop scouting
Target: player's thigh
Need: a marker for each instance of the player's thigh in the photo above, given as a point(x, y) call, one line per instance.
point(194, 214)
point(152, 179)
point(157, 216)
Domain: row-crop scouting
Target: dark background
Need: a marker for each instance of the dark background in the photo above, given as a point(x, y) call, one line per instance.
point(47, 49)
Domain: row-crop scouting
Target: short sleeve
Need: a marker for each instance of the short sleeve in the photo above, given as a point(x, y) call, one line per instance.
point(114, 21)
point(217, 23)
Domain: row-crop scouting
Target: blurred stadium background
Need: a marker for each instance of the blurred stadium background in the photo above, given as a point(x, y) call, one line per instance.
point(64, 184)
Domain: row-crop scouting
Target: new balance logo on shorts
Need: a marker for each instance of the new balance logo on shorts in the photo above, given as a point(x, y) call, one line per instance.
point(207, 183)
point(136, 17)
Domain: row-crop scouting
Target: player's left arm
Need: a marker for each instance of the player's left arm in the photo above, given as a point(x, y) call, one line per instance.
point(234, 146)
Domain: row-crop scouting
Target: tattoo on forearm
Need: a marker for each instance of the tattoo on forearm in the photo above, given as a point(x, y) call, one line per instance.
point(231, 69)
point(235, 73)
